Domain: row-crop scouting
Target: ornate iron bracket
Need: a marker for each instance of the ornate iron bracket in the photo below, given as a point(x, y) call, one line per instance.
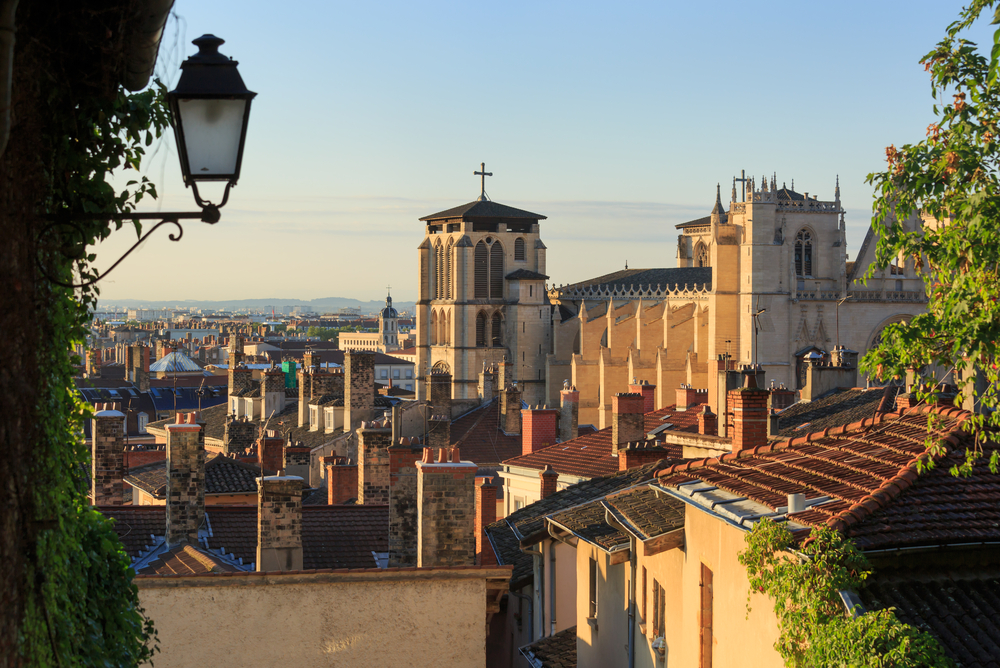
point(209, 214)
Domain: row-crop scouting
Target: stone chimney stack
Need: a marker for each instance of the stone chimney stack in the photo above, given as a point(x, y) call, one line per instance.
point(140, 367)
point(627, 423)
point(487, 383)
point(240, 380)
point(510, 409)
point(359, 387)
point(108, 459)
point(279, 523)
point(270, 454)
point(446, 504)
point(94, 363)
point(439, 393)
point(538, 428)
point(749, 406)
point(235, 350)
point(648, 393)
point(341, 480)
point(486, 514)
point(238, 435)
point(272, 390)
point(185, 480)
point(403, 458)
point(549, 479)
point(304, 377)
point(438, 431)
point(505, 374)
point(569, 412)
point(373, 463)
point(708, 422)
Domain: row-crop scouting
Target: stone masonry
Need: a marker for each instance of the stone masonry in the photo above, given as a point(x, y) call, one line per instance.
point(185, 480)
point(440, 391)
point(446, 505)
point(373, 463)
point(403, 458)
point(627, 424)
point(438, 431)
point(569, 414)
point(279, 523)
point(510, 409)
point(107, 462)
point(359, 387)
point(238, 436)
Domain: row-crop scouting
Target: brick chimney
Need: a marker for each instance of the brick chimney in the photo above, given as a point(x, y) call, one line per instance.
point(688, 396)
point(708, 422)
point(648, 393)
point(238, 436)
point(279, 523)
point(510, 409)
point(403, 458)
point(296, 459)
point(240, 379)
point(486, 514)
point(185, 480)
point(270, 453)
point(341, 480)
point(749, 407)
point(438, 431)
point(373, 463)
point(440, 392)
point(905, 400)
point(641, 453)
point(446, 503)
point(569, 412)
point(627, 424)
point(108, 459)
point(359, 387)
point(549, 478)
point(539, 428)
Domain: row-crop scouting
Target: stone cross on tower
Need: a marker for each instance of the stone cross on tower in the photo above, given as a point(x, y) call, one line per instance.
point(483, 174)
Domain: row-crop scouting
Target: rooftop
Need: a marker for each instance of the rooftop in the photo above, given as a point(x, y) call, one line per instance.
point(482, 209)
point(677, 278)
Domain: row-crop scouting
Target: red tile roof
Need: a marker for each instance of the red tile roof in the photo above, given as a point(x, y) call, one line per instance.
point(480, 438)
point(136, 525)
point(186, 560)
point(870, 472)
point(589, 455)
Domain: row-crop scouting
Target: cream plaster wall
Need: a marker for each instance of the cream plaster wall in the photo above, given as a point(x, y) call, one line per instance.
point(300, 620)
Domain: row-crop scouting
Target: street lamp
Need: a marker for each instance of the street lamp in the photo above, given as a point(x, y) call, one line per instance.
point(209, 110)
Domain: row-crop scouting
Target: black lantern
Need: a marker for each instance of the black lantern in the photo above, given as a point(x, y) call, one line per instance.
point(210, 108)
point(209, 111)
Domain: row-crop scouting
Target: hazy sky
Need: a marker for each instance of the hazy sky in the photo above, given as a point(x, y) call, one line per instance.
point(615, 120)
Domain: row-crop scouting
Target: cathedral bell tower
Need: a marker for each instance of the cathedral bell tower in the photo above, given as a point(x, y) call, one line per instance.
point(388, 326)
point(482, 296)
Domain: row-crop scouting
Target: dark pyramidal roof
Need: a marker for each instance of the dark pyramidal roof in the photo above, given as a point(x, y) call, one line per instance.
point(483, 209)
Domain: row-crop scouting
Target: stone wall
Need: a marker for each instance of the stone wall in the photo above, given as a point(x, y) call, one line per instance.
point(446, 505)
point(403, 458)
point(279, 523)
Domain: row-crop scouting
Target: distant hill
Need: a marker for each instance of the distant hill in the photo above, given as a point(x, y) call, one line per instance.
point(322, 305)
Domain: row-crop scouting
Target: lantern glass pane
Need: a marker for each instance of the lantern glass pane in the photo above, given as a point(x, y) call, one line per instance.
point(212, 131)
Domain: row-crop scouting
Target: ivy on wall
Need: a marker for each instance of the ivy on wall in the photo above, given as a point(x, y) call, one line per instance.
point(815, 631)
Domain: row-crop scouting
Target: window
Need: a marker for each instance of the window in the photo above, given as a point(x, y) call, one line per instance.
point(395, 373)
point(434, 327)
point(143, 421)
point(705, 618)
point(409, 373)
point(593, 588)
point(899, 286)
point(439, 273)
point(643, 608)
point(656, 609)
point(496, 340)
point(496, 271)
point(518, 503)
point(448, 282)
point(409, 386)
point(519, 249)
point(803, 254)
point(480, 330)
point(481, 263)
point(530, 289)
point(701, 255)
point(384, 373)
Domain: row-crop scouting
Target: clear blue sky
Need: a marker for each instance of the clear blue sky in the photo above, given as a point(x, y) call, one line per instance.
point(615, 120)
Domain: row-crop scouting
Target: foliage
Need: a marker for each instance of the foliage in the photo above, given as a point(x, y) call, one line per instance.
point(83, 609)
point(814, 629)
point(951, 178)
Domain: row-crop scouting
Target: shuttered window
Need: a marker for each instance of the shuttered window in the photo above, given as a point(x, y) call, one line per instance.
point(496, 271)
point(480, 330)
point(439, 271)
point(519, 249)
point(495, 331)
point(481, 262)
point(448, 271)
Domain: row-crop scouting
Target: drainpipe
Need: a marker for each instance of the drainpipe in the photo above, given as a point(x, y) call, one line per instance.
point(7, 32)
point(552, 587)
point(632, 546)
point(537, 586)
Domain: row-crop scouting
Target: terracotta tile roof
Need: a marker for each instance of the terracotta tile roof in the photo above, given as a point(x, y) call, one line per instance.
point(332, 536)
point(186, 560)
point(557, 651)
point(529, 521)
point(222, 476)
point(863, 480)
point(587, 522)
point(833, 410)
point(962, 610)
point(589, 455)
point(480, 438)
point(136, 525)
point(646, 514)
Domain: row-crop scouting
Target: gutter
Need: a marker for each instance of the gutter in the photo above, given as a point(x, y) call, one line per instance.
point(147, 31)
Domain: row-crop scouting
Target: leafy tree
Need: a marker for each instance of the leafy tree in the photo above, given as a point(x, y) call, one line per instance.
point(951, 179)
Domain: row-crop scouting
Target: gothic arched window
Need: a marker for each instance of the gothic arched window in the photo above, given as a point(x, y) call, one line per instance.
point(449, 279)
point(701, 255)
point(803, 254)
point(519, 249)
point(496, 338)
point(480, 330)
point(496, 271)
point(447, 327)
point(482, 262)
point(439, 271)
point(434, 327)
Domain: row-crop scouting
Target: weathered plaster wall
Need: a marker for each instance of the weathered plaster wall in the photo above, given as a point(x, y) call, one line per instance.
point(275, 621)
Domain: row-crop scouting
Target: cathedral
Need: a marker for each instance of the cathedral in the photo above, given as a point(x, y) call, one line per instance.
point(766, 280)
